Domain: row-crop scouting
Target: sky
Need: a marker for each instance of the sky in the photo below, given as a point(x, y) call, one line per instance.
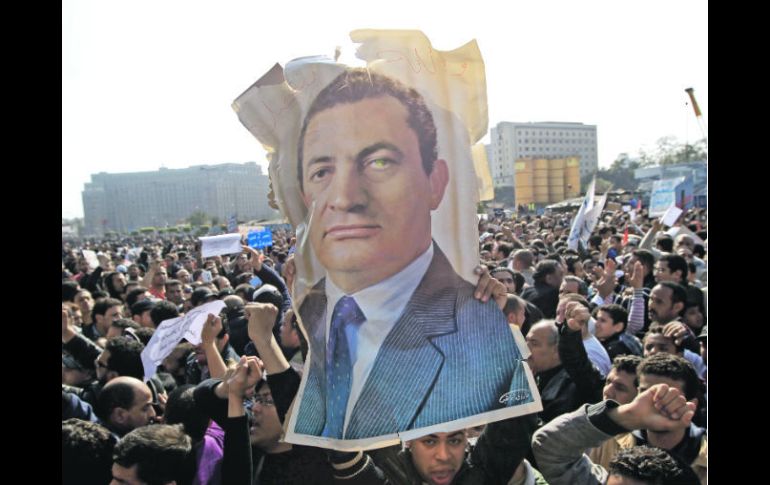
point(149, 84)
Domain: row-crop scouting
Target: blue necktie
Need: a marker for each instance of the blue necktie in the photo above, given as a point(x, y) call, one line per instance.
point(339, 368)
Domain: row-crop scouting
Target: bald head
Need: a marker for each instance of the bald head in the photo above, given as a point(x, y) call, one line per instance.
point(125, 403)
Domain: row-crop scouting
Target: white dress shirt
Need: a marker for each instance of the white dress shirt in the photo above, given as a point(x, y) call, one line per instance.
point(382, 305)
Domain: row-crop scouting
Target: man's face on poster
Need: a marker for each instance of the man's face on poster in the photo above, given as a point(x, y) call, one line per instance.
point(362, 170)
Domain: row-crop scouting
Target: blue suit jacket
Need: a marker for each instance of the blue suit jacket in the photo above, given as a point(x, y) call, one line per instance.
point(449, 356)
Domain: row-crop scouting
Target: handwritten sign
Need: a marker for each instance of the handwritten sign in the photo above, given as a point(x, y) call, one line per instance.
point(218, 245)
point(170, 332)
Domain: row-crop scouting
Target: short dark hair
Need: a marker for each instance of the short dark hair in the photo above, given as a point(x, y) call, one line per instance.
point(125, 356)
point(68, 290)
point(172, 282)
point(628, 363)
point(86, 450)
point(356, 84)
point(133, 295)
point(124, 323)
point(676, 263)
point(513, 303)
point(101, 306)
point(144, 334)
point(162, 453)
point(544, 268)
point(617, 313)
point(678, 292)
point(665, 243)
point(582, 286)
point(181, 409)
point(163, 310)
point(505, 248)
point(645, 257)
point(652, 465)
point(673, 367)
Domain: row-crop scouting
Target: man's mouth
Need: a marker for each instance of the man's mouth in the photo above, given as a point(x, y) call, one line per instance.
point(443, 477)
point(352, 231)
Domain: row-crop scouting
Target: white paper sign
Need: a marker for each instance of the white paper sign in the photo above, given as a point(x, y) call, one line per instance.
point(626, 208)
point(218, 245)
point(91, 259)
point(671, 215)
point(170, 332)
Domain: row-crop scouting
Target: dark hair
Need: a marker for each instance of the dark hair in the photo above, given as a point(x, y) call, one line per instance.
point(86, 450)
point(628, 363)
point(225, 324)
point(582, 286)
point(699, 250)
point(666, 244)
point(543, 269)
point(678, 293)
point(162, 453)
point(69, 289)
point(133, 295)
point(676, 263)
point(246, 289)
point(101, 306)
point(125, 357)
point(518, 278)
point(673, 367)
point(525, 256)
point(653, 466)
point(645, 257)
point(617, 313)
point(181, 409)
point(356, 84)
point(570, 260)
point(172, 282)
point(505, 248)
point(123, 323)
point(163, 310)
point(144, 334)
point(657, 329)
point(513, 303)
point(168, 381)
point(108, 283)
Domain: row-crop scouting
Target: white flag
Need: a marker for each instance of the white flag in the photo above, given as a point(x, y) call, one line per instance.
point(592, 218)
point(577, 224)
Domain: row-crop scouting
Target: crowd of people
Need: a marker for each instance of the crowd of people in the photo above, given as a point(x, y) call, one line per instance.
point(616, 333)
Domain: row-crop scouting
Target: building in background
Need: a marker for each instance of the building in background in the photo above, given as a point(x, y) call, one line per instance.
point(125, 202)
point(512, 141)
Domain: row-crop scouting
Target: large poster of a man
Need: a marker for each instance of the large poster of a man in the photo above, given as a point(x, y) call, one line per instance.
point(362, 160)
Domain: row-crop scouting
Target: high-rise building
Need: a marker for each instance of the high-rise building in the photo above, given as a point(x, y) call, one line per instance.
point(511, 141)
point(127, 201)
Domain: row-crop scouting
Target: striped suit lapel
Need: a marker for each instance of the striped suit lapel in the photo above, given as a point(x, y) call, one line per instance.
point(408, 363)
point(313, 406)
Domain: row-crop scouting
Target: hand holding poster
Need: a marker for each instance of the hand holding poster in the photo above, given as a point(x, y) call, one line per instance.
point(374, 168)
point(671, 215)
point(170, 332)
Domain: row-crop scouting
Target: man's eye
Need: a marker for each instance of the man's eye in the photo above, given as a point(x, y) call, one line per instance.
point(380, 163)
point(320, 174)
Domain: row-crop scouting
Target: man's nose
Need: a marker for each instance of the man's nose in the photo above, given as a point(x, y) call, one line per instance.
point(442, 453)
point(347, 191)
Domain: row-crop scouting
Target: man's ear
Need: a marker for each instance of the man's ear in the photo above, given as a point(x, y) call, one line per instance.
point(119, 415)
point(439, 178)
point(678, 307)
